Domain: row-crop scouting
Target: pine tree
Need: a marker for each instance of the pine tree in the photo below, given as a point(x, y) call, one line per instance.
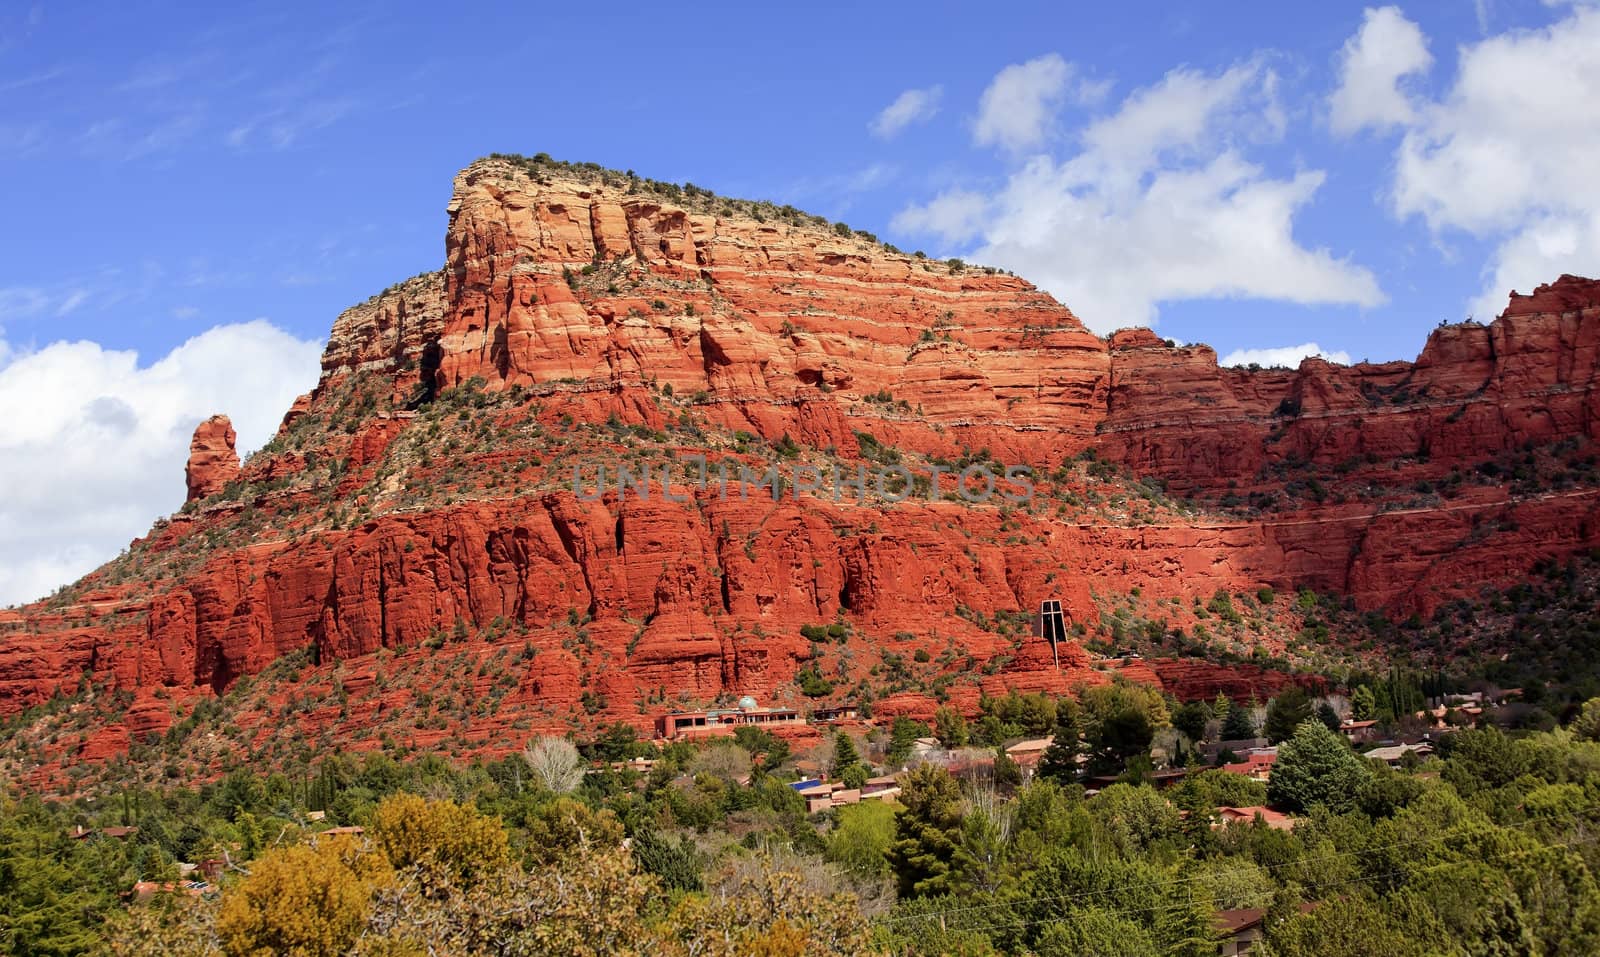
point(1060, 760)
point(1288, 711)
point(1328, 716)
point(949, 727)
point(1240, 724)
point(1221, 707)
point(928, 833)
point(845, 755)
point(1316, 766)
point(903, 737)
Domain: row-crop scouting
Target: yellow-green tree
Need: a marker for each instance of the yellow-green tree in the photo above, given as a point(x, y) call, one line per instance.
point(565, 827)
point(302, 901)
point(769, 909)
point(441, 842)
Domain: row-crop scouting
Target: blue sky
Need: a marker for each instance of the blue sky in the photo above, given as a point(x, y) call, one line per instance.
point(1251, 175)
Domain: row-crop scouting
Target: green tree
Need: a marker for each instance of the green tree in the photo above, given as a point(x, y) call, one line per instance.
point(949, 727)
point(771, 750)
point(1101, 931)
point(1363, 704)
point(676, 863)
point(845, 755)
point(49, 898)
point(1134, 817)
point(903, 736)
point(1239, 725)
point(1328, 716)
point(1118, 737)
point(1484, 759)
point(619, 742)
point(1587, 724)
point(927, 832)
point(1059, 762)
point(1315, 768)
point(1342, 927)
point(1286, 712)
point(566, 827)
point(1007, 775)
point(1220, 708)
point(861, 837)
point(1192, 718)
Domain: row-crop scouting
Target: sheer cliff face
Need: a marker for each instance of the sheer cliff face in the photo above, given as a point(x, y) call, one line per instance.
point(582, 318)
point(1474, 392)
point(588, 281)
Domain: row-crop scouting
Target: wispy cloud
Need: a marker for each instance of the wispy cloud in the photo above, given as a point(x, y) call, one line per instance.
point(22, 302)
point(280, 128)
point(75, 298)
point(121, 140)
point(21, 140)
point(912, 106)
point(34, 79)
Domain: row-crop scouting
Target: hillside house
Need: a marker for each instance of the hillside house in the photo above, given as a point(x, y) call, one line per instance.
point(1395, 755)
point(1276, 820)
point(1359, 732)
point(1256, 765)
point(678, 725)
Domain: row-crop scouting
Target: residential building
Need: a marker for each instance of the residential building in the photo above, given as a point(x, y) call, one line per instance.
point(1394, 755)
point(1276, 820)
point(690, 724)
point(1256, 765)
point(1359, 732)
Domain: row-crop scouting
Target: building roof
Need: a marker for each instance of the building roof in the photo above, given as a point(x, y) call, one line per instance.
point(1273, 819)
point(1397, 751)
point(1253, 763)
point(1030, 745)
point(117, 832)
point(144, 890)
point(1230, 922)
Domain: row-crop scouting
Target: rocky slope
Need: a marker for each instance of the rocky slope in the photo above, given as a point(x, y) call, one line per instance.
point(420, 502)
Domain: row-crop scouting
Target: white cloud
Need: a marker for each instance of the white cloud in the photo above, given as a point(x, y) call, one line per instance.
point(1286, 356)
point(1387, 49)
point(956, 216)
point(1020, 103)
point(1159, 203)
point(1508, 153)
point(912, 106)
point(102, 450)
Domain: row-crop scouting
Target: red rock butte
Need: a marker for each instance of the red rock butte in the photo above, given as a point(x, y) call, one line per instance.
point(421, 494)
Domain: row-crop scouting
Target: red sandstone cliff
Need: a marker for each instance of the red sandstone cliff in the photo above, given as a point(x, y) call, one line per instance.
point(597, 318)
